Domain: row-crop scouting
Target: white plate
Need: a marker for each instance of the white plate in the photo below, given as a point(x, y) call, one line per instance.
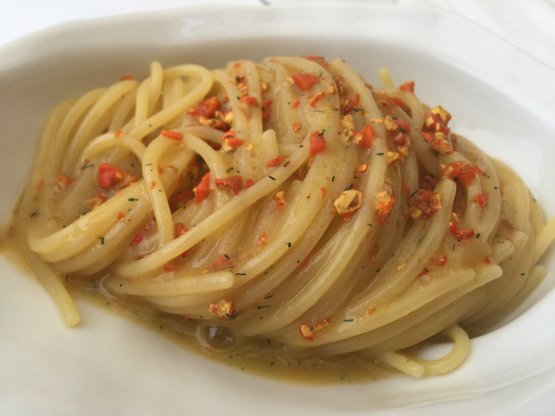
point(500, 97)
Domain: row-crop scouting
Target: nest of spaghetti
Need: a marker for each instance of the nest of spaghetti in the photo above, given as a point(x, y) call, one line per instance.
point(286, 200)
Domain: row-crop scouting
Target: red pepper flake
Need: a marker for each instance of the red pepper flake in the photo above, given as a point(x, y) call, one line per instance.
point(153, 185)
point(169, 267)
point(223, 308)
point(263, 239)
point(40, 185)
point(441, 261)
point(96, 200)
point(279, 200)
point(442, 146)
point(249, 100)
point(231, 141)
point(64, 181)
point(266, 109)
point(170, 134)
point(488, 260)
point(223, 262)
point(314, 100)
point(304, 82)
point(296, 127)
point(423, 204)
point(249, 182)
point(179, 229)
point(429, 137)
point(398, 102)
point(320, 60)
point(465, 173)
point(276, 161)
point(126, 77)
point(481, 199)
point(120, 216)
point(323, 192)
point(206, 108)
point(351, 104)
point(118, 133)
point(403, 124)
point(317, 143)
point(384, 205)
point(234, 183)
point(137, 239)
point(295, 104)
point(407, 86)
point(308, 332)
point(107, 175)
point(365, 137)
point(461, 233)
point(202, 190)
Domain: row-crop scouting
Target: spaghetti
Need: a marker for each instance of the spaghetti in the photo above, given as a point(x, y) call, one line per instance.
point(287, 200)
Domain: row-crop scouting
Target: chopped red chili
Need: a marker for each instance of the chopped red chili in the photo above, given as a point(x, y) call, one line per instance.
point(465, 173)
point(202, 190)
point(384, 205)
point(179, 229)
point(351, 104)
point(365, 137)
point(234, 183)
point(107, 175)
point(314, 100)
point(249, 100)
point(276, 161)
point(317, 143)
point(303, 81)
point(230, 139)
point(223, 262)
point(206, 108)
point(403, 124)
point(461, 233)
point(170, 134)
point(64, 181)
point(424, 204)
point(320, 60)
point(481, 199)
point(407, 86)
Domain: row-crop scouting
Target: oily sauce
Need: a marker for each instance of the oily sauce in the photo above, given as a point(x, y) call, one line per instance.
point(261, 356)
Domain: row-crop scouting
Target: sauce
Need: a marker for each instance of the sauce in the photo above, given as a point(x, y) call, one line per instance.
point(261, 357)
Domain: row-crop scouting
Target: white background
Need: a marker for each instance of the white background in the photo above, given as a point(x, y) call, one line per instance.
point(529, 25)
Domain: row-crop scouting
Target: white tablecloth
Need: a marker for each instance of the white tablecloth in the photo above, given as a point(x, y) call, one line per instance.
point(529, 25)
